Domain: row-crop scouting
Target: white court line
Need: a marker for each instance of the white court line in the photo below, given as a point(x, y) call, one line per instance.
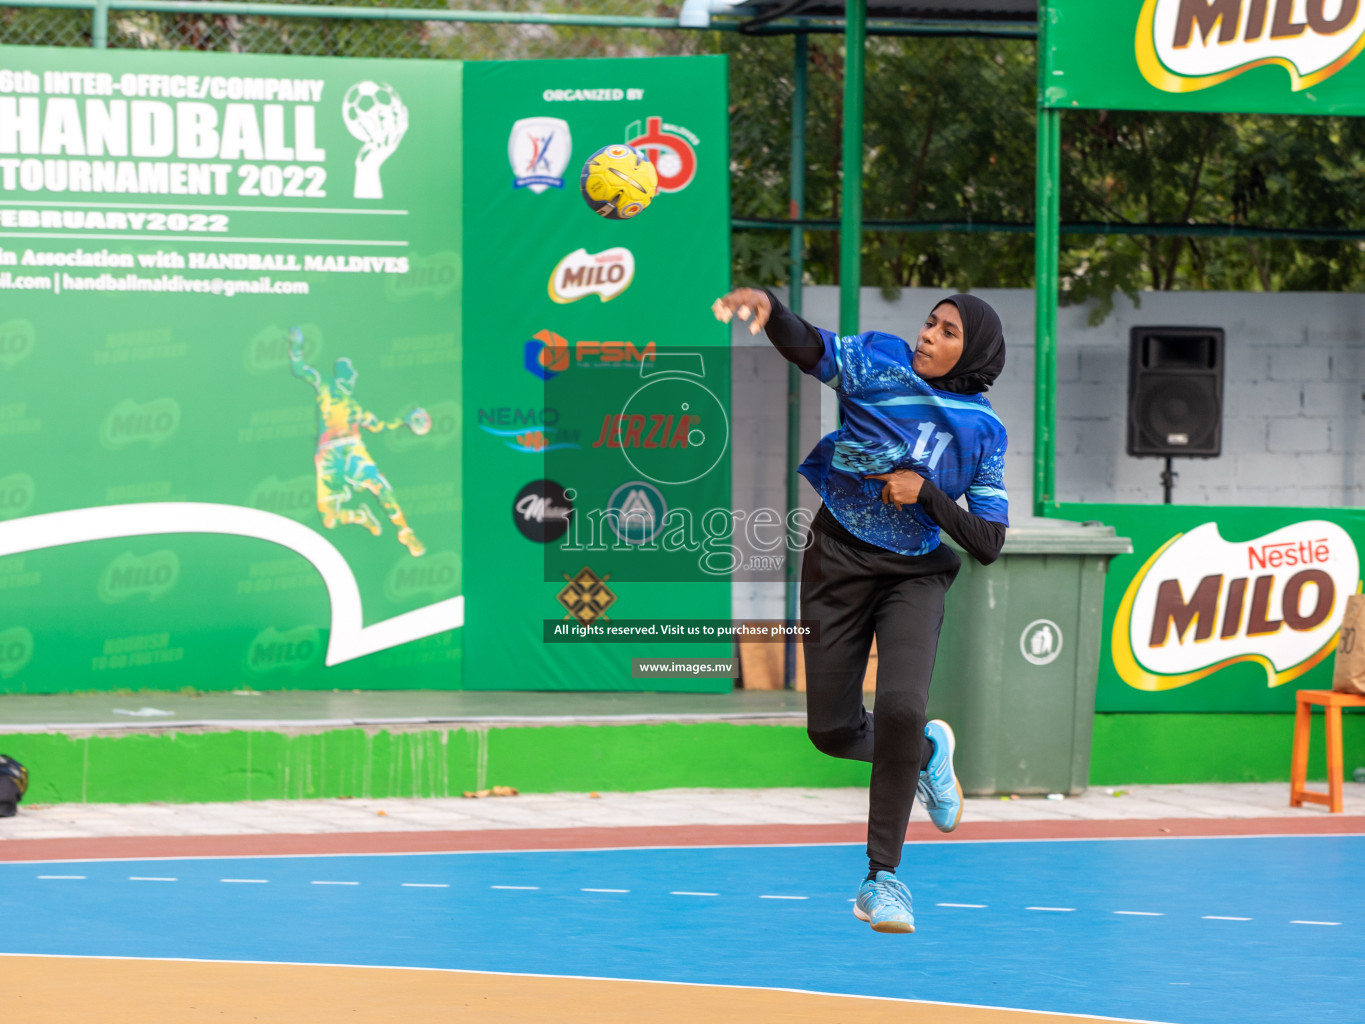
point(72, 877)
point(333, 883)
point(526, 887)
point(425, 885)
point(683, 893)
point(604, 890)
point(1055, 910)
point(1139, 913)
point(148, 878)
point(246, 881)
point(1218, 917)
point(784, 897)
point(1329, 923)
point(969, 906)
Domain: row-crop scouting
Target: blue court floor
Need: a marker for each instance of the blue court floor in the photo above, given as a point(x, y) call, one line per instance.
point(1185, 931)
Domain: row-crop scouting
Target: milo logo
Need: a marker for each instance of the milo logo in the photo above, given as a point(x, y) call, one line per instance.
point(434, 275)
point(16, 342)
point(1188, 45)
point(290, 650)
point(296, 497)
point(1202, 603)
point(434, 577)
point(268, 351)
point(16, 650)
point(445, 428)
point(130, 576)
point(131, 422)
point(16, 494)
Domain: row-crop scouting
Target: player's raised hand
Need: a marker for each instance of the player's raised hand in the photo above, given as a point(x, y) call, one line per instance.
point(744, 303)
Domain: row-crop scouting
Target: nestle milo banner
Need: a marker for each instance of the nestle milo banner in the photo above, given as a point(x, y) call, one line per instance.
point(242, 300)
point(1223, 609)
point(1253, 56)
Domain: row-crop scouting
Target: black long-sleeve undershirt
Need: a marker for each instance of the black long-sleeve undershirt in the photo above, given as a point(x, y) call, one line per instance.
point(799, 342)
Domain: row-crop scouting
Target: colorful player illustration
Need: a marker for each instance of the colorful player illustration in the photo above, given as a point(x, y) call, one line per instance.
point(344, 465)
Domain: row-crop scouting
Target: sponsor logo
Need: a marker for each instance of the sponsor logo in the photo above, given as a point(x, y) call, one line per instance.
point(296, 497)
point(670, 148)
point(548, 354)
point(605, 274)
point(636, 512)
point(1041, 642)
point(374, 113)
point(1188, 45)
point(153, 576)
point(130, 422)
point(434, 577)
point(527, 430)
point(586, 597)
point(539, 149)
point(434, 275)
point(292, 650)
point(16, 650)
point(17, 339)
point(655, 430)
point(1202, 603)
point(268, 351)
point(17, 491)
point(541, 511)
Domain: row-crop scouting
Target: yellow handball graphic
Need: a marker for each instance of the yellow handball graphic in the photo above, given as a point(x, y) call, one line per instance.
point(618, 181)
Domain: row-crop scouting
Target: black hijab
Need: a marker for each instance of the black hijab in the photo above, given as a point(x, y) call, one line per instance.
point(983, 348)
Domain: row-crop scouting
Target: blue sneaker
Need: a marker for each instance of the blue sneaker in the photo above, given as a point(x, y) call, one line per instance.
point(884, 902)
point(939, 791)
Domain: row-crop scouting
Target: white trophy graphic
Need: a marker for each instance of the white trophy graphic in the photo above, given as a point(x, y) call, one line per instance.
point(374, 114)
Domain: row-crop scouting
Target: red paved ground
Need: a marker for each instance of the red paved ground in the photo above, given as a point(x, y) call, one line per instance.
point(138, 847)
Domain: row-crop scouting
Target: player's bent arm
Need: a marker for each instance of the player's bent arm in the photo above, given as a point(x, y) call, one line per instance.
point(798, 341)
point(981, 538)
point(297, 366)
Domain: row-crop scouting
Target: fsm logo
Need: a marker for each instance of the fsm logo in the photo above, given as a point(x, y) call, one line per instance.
point(670, 148)
point(547, 354)
point(1188, 45)
point(605, 274)
point(539, 149)
point(1202, 603)
point(131, 421)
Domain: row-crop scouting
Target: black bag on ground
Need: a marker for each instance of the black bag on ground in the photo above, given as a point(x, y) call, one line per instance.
point(13, 785)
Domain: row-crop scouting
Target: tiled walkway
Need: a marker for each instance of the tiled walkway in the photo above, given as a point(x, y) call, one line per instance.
point(609, 810)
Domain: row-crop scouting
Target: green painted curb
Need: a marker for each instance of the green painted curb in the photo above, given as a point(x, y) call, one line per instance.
point(194, 767)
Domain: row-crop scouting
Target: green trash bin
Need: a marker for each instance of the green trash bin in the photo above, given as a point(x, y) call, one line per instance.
point(1018, 659)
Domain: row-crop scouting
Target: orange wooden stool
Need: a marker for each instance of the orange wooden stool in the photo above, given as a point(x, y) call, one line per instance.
point(1332, 703)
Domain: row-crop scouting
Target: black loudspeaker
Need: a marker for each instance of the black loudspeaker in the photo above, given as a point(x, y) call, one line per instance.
point(1175, 391)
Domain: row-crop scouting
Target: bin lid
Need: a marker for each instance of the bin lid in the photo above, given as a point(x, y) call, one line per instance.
point(1063, 537)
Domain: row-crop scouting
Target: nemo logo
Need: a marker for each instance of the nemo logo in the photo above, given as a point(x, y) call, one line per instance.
point(1189, 45)
point(1202, 603)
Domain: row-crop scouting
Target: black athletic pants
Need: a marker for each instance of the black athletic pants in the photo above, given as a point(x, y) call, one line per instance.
point(856, 590)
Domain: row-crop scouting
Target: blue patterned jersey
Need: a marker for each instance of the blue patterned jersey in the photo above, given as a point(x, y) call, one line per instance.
point(892, 419)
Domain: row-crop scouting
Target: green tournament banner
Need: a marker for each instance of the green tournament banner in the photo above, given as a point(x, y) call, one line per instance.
point(1249, 56)
point(230, 388)
point(1223, 609)
point(597, 485)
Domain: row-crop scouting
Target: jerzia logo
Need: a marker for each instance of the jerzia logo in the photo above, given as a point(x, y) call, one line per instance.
point(605, 274)
point(1202, 603)
point(539, 149)
point(669, 148)
point(1188, 45)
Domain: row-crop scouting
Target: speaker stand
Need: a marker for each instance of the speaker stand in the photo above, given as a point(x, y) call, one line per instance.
point(1168, 476)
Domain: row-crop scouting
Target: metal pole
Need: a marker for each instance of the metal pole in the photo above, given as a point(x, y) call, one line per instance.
point(851, 225)
point(99, 25)
point(798, 269)
point(1046, 241)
